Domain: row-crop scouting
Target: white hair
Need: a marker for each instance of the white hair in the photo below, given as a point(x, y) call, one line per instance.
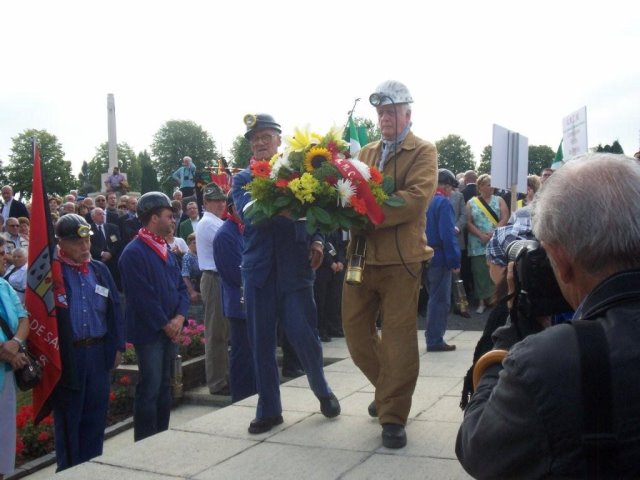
point(591, 207)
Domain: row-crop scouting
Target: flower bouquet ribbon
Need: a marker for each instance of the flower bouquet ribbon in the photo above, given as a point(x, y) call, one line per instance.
point(314, 179)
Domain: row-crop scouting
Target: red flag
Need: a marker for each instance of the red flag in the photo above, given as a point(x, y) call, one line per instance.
point(40, 299)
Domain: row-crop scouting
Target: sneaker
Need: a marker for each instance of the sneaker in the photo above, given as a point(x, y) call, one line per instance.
point(481, 309)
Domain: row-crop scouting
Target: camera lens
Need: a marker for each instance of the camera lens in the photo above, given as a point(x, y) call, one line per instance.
point(514, 248)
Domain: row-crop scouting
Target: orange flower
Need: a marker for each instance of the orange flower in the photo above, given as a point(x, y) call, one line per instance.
point(261, 168)
point(282, 183)
point(376, 176)
point(358, 205)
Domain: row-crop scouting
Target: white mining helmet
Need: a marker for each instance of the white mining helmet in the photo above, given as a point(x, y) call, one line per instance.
point(390, 91)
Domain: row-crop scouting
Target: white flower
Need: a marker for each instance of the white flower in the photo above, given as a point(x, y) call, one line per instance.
point(362, 168)
point(281, 162)
point(345, 191)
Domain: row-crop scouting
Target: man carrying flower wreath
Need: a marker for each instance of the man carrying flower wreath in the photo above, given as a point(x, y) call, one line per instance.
point(394, 255)
point(278, 260)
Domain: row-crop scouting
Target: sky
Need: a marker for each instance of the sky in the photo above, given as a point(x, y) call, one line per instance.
point(524, 65)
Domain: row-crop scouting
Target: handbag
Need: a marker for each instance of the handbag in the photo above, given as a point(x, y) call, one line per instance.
point(30, 375)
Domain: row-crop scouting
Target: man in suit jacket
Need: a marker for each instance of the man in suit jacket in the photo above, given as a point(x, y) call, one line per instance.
point(278, 260)
point(129, 222)
point(470, 189)
point(12, 207)
point(106, 243)
point(188, 226)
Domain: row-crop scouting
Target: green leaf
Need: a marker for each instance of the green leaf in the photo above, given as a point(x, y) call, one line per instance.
point(281, 202)
point(388, 185)
point(320, 213)
point(395, 201)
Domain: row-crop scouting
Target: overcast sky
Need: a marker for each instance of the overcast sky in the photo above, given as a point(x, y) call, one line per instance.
point(468, 64)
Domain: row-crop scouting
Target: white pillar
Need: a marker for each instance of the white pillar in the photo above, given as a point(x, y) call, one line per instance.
point(113, 142)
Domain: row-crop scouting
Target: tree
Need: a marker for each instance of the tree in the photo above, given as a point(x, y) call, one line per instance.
point(540, 156)
point(84, 182)
point(148, 175)
point(373, 131)
point(56, 171)
point(485, 160)
point(240, 152)
point(615, 147)
point(454, 153)
point(99, 164)
point(177, 139)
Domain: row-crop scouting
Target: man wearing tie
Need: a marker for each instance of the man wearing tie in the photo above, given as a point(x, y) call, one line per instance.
point(105, 243)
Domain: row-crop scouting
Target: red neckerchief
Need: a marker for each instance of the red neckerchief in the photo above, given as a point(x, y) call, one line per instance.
point(155, 242)
point(441, 192)
point(235, 220)
point(80, 267)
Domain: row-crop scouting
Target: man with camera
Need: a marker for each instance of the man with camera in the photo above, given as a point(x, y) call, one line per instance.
point(566, 401)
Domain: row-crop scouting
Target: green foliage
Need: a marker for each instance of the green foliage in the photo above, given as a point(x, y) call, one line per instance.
point(55, 169)
point(485, 160)
point(175, 140)
point(615, 147)
point(148, 175)
point(454, 153)
point(540, 156)
point(99, 164)
point(240, 152)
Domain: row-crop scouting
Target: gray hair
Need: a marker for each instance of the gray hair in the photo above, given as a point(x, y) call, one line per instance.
point(591, 207)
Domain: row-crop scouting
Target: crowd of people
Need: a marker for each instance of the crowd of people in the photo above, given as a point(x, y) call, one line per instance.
point(131, 267)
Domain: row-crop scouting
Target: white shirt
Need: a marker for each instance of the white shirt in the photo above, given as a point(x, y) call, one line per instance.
point(18, 280)
point(5, 209)
point(180, 244)
point(205, 233)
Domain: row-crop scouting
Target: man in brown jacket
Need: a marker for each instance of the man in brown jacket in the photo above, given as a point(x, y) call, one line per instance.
point(395, 253)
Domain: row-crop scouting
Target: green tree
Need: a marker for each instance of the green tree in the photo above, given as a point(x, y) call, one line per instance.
point(56, 171)
point(240, 152)
point(540, 156)
point(176, 139)
point(455, 154)
point(615, 147)
point(485, 160)
point(373, 131)
point(83, 177)
point(149, 177)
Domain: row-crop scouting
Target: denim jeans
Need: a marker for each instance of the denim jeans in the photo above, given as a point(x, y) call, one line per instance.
point(152, 405)
point(438, 281)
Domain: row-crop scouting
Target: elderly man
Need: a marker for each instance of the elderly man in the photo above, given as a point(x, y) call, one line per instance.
point(81, 398)
point(278, 260)
point(565, 402)
point(188, 226)
point(13, 237)
point(395, 252)
point(12, 207)
point(186, 177)
point(106, 243)
point(16, 274)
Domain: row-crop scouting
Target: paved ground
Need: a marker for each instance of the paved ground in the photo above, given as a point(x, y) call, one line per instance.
point(215, 444)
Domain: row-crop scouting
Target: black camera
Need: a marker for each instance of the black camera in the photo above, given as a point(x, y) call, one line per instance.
point(537, 291)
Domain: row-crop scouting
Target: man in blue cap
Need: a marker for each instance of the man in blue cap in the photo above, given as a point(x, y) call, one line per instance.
point(278, 263)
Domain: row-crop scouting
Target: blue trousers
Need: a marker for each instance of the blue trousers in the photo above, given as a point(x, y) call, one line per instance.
point(80, 422)
point(152, 405)
point(438, 283)
point(296, 312)
point(242, 379)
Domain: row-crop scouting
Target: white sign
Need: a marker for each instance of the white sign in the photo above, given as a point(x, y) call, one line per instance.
point(509, 159)
point(574, 134)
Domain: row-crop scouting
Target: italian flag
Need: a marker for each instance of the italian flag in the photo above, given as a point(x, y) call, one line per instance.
point(354, 141)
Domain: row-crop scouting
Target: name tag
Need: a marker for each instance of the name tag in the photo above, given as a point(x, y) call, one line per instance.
point(103, 291)
point(113, 238)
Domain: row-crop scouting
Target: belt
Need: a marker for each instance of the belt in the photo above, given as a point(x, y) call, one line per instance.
point(88, 342)
point(212, 272)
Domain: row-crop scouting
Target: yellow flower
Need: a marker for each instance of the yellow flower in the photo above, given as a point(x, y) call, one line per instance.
point(302, 139)
point(335, 135)
point(304, 187)
point(315, 157)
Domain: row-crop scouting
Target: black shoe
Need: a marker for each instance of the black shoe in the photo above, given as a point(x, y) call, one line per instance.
point(325, 338)
point(336, 333)
point(445, 347)
point(292, 373)
point(393, 435)
point(262, 425)
point(330, 407)
point(373, 409)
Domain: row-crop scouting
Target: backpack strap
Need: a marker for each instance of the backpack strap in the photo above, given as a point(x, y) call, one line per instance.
point(599, 441)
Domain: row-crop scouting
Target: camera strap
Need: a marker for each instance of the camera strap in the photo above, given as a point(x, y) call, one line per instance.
point(599, 441)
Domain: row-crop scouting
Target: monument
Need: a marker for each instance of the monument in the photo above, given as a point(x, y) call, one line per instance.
point(112, 141)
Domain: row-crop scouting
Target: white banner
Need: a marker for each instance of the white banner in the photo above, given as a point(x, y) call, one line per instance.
point(574, 134)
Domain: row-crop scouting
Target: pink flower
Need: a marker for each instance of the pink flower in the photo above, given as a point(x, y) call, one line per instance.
point(186, 341)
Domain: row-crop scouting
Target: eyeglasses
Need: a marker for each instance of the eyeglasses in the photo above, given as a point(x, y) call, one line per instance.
point(264, 138)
